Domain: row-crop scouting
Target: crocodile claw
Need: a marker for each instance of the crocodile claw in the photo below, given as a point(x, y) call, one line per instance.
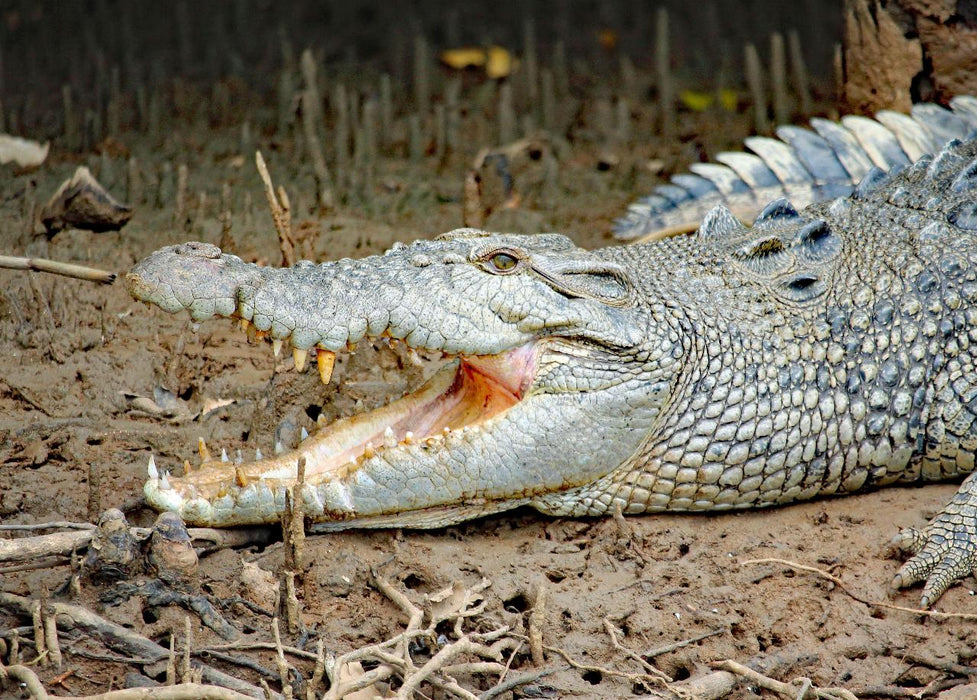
point(945, 550)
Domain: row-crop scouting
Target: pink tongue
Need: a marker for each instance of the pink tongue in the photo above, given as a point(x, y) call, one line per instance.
point(512, 370)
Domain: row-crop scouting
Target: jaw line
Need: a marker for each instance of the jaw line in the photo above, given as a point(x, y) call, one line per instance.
point(463, 395)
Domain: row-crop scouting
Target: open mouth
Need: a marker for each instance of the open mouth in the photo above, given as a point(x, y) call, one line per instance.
point(462, 395)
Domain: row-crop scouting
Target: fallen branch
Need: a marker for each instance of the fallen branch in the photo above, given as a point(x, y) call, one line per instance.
point(185, 691)
point(798, 689)
point(54, 267)
point(861, 599)
point(121, 639)
point(64, 543)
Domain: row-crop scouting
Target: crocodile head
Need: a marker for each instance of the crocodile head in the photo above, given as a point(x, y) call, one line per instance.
point(554, 377)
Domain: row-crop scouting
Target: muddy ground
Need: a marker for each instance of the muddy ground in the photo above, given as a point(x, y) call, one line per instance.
point(73, 442)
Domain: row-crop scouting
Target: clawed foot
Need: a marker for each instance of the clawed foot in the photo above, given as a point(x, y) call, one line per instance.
point(945, 550)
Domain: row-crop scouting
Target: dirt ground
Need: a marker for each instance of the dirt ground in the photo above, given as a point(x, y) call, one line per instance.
point(74, 441)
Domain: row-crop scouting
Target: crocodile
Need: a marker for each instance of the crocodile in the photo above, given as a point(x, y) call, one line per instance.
point(804, 165)
point(817, 352)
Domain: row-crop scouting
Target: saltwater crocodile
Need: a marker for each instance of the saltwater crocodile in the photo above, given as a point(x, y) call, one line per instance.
point(813, 353)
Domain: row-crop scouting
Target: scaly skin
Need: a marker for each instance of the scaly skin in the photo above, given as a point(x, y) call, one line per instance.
point(812, 354)
point(804, 165)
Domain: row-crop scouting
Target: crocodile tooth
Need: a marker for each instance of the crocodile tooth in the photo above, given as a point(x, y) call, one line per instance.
point(389, 439)
point(300, 356)
point(202, 449)
point(326, 361)
point(164, 481)
point(240, 477)
point(321, 420)
point(369, 452)
point(408, 437)
point(279, 447)
point(414, 358)
point(244, 324)
point(276, 345)
point(151, 468)
point(257, 455)
point(238, 457)
point(224, 457)
point(304, 434)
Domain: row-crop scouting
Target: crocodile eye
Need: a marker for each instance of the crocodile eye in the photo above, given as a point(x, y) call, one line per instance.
point(503, 262)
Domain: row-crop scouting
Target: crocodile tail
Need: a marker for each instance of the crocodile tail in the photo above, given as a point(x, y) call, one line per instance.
point(803, 165)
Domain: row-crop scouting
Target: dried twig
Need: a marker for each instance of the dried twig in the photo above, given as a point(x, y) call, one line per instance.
point(186, 691)
point(119, 638)
point(54, 267)
point(64, 543)
point(280, 212)
point(861, 599)
point(634, 656)
point(791, 690)
point(536, 619)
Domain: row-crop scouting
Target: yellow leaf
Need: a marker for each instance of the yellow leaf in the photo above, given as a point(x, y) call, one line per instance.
point(465, 57)
point(500, 62)
point(728, 99)
point(696, 101)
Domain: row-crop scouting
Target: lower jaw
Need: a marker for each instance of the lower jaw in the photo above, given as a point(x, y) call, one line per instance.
point(462, 395)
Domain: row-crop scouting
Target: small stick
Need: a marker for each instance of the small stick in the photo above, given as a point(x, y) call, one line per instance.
point(280, 212)
point(652, 653)
point(531, 72)
point(113, 110)
point(70, 123)
point(38, 622)
point(134, 189)
point(185, 668)
point(622, 121)
point(754, 78)
point(280, 661)
point(171, 662)
point(386, 110)
point(561, 76)
point(180, 217)
point(310, 109)
point(422, 75)
point(779, 687)
point(472, 212)
point(440, 133)
point(865, 601)
point(94, 490)
point(225, 218)
point(312, 689)
point(415, 141)
point(548, 98)
point(666, 87)
point(340, 108)
point(778, 78)
point(51, 637)
point(838, 70)
point(452, 99)
point(536, 619)
point(507, 115)
point(798, 71)
point(57, 268)
point(634, 656)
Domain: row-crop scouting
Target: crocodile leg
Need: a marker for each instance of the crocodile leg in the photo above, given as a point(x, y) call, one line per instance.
point(943, 551)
